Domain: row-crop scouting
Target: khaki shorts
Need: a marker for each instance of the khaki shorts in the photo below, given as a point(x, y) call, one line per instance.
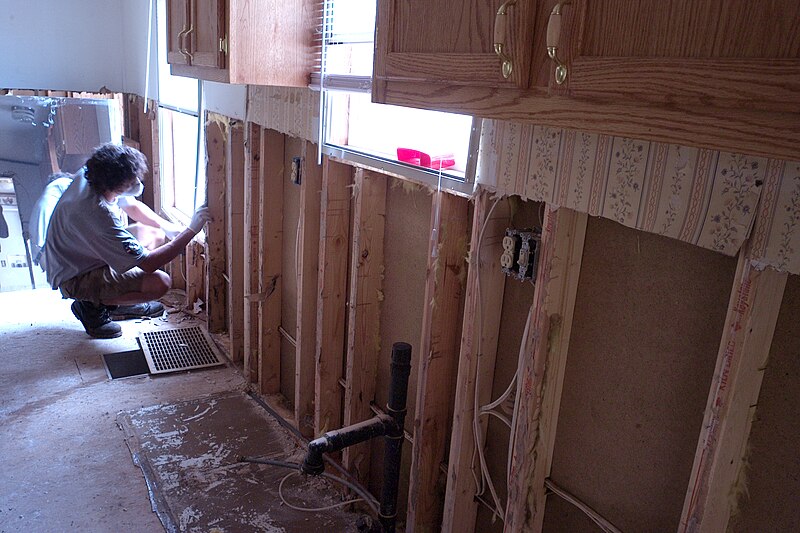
point(103, 284)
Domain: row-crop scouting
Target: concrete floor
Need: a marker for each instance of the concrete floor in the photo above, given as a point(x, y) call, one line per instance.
point(64, 465)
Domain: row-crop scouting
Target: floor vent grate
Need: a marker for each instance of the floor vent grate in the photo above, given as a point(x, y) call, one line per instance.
point(171, 350)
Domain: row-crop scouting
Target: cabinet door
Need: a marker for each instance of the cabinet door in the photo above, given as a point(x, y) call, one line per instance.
point(453, 43)
point(742, 54)
point(207, 33)
point(177, 27)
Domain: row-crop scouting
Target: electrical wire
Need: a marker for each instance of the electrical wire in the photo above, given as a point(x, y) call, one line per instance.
point(363, 495)
point(604, 524)
point(309, 509)
point(483, 480)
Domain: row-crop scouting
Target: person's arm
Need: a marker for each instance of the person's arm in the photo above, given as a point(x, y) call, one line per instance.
point(169, 251)
point(141, 213)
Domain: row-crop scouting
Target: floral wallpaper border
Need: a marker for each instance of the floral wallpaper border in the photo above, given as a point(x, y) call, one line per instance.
point(704, 197)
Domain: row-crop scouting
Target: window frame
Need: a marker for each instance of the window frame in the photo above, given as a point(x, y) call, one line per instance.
point(325, 83)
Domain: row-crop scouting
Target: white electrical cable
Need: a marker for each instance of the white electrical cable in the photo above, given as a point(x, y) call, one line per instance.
point(604, 524)
point(513, 436)
point(484, 479)
point(310, 509)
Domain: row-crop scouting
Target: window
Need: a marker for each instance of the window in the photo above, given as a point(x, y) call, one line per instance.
point(181, 133)
point(430, 146)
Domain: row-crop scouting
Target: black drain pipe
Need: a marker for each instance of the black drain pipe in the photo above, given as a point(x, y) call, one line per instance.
point(389, 425)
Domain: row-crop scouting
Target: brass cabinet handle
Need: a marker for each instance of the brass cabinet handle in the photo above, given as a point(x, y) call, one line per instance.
point(181, 47)
point(553, 36)
point(500, 32)
point(188, 33)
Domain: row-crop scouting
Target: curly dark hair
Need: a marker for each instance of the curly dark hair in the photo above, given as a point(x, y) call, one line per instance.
point(113, 167)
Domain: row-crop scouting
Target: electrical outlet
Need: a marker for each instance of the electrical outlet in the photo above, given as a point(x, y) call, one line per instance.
point(520, 253)
point(296, 166)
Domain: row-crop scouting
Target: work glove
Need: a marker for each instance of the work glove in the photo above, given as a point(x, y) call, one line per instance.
point(201, 216)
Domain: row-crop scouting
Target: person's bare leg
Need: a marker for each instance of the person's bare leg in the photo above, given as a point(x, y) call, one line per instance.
point(154, 286)
point(148, 236)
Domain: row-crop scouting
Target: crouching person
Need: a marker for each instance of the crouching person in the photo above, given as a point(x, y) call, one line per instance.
point(95, 259)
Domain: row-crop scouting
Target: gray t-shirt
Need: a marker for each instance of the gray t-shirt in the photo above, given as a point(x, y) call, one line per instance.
point(87, 232)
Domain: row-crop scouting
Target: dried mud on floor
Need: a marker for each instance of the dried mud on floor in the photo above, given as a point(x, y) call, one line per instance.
point(189, 453)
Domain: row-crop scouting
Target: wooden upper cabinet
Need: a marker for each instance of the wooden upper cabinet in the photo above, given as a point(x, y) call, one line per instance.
point(258, 42)
point(445, 42)
point(738, 54)
point(177, 27)
point(722, 74)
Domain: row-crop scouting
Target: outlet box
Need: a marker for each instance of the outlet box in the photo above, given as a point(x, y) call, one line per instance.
point(521, 253)
point(296, 170)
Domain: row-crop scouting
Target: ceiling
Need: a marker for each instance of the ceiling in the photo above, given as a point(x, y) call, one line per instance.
point(24, 142)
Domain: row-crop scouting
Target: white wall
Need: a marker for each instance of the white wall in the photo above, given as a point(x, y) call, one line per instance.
point(135, 17)
point(226, 99)
point(83, 45)
point(53, 44)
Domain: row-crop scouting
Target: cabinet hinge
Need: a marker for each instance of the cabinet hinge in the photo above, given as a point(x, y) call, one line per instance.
point(223, 45)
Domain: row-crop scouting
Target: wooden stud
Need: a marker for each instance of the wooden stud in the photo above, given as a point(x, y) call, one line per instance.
point(270, 264)
point(216, 229)
point(195, 274)
point(332, 286)
point(438, 358)
point(252, 225)
point(143, 128)
point(235, 235)
point(363, 327)
point(542, 366)
point(744, 350)
point(307, 270)
point(478, 351)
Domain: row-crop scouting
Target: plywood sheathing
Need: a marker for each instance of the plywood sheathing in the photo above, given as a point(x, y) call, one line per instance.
point(772, 478)
point(645, 334)
point(407, 234)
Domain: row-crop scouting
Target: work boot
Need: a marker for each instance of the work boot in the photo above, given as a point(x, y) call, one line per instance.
point(95, 319)
point(146, 309)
